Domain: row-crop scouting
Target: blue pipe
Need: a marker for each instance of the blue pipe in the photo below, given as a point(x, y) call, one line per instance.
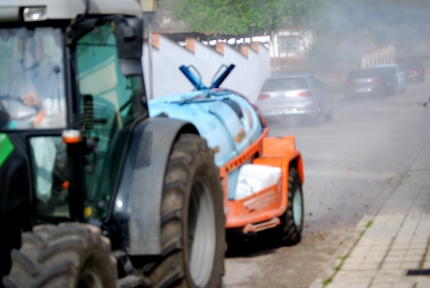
point(197, 83)
point(222, 77)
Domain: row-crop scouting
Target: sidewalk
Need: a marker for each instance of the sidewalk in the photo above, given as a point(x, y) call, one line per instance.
point(384, 246)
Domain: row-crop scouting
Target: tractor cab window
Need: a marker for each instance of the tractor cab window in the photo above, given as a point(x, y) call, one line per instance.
point(109, 104)
point(51, 176)
point(32, 94)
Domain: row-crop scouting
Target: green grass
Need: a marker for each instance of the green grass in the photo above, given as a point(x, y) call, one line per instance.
point(327, 281)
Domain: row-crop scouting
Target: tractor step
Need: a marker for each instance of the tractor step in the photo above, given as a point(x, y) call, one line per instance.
point(252, 228)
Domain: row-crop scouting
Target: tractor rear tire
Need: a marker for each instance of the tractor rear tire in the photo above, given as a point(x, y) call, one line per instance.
point(67, 255)
point(290, 230)
point(193, 220)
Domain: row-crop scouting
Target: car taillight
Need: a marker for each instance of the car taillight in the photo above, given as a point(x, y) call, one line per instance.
point(306, 93)
point(263, 96)
point(375, 80)
point(351, 81)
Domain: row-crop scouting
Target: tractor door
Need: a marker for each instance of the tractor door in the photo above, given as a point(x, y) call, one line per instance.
point(109, 104)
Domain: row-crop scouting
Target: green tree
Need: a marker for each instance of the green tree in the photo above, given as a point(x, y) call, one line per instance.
point(241, 17)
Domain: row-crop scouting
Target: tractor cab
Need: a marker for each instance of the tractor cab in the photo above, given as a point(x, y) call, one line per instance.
point(49, 54)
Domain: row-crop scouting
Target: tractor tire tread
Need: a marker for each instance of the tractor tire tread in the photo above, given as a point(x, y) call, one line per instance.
point(170, 269)
point(48, 258)
point(291, 233)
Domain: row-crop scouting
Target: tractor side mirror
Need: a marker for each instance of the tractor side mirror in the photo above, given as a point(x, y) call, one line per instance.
point(4, 118)
point(129, 40)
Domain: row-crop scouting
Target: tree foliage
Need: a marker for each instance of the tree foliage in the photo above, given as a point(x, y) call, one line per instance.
point(322, 16)
point(230, 16)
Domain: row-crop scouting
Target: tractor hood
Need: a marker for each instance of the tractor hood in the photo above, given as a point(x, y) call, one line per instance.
point(68, 9)
point(226, 120)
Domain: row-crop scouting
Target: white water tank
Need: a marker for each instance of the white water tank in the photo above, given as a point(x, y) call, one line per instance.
point(255, 178)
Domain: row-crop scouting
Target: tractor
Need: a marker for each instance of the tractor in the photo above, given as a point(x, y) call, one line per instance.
point(93, 192)
point(261, 176)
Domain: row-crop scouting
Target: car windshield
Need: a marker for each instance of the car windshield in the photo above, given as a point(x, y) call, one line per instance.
point(284, 84)
point(32, 94)
point(387, 71)
point(359, 74)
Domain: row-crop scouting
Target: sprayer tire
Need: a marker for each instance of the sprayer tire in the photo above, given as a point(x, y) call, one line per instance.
point(67, 255)
point(290, 230)
point(191, 178)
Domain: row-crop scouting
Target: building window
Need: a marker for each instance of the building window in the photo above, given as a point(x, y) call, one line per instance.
point(289, 44)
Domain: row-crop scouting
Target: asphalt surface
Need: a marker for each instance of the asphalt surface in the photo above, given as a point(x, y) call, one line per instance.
point(349, 162)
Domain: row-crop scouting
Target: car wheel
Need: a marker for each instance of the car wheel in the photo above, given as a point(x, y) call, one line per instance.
point(329, 116)
point(319, 117)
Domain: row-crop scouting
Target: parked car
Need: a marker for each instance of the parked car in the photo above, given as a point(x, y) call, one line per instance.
point(366, 83)
point(394, 77)
point(295, 94)
point(413, 70)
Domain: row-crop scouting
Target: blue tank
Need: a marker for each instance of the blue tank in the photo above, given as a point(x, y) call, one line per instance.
point(228, 122)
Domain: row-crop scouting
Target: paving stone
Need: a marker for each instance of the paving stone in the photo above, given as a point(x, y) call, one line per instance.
point(353, 260)
point(337, 285)
point(424, 280)
point(361, 253)
point(366, 241)
point(351, 266)
point(370, 266)
point(379, 247)
point(419, 239)
point(391, 265)
point(414, 258)
point(399, 252)
point(382, 280)
point(398, 245)
point(414, 251)
point(402, 240)
point(358, 285)
point(393, 258)
point(410, 265)
point(403, 285)
point(381, 285)
point(422, 285)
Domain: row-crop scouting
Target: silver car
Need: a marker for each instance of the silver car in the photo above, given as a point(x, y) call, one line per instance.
point(295, 94)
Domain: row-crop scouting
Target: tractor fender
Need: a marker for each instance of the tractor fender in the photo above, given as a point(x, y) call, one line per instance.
point(136, 207)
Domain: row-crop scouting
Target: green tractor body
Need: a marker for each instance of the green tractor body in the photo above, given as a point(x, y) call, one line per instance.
point(6, 148)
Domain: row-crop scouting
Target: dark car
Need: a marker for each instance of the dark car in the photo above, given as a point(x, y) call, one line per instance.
point(295, 94)
point(365, 83)
point(413, 70)
point(394, 77)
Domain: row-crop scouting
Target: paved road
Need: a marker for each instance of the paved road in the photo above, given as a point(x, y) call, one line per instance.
point(349, 162)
